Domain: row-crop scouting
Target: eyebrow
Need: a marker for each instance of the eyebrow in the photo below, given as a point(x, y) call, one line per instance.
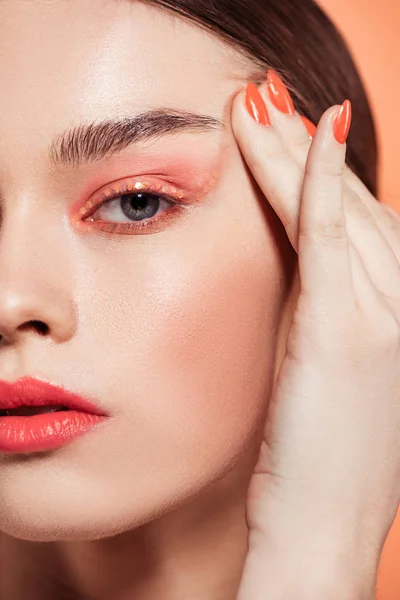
point(98, 140)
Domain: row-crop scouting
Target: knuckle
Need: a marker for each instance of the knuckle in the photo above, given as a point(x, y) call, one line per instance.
point(324, 232)
point(323, 170)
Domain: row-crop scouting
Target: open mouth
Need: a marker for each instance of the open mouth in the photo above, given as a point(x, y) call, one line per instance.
point(30, 411)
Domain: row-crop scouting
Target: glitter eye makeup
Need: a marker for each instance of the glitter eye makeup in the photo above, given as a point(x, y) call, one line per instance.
point(136, 206)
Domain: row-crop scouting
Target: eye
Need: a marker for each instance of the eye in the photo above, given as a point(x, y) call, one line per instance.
point(135, 206)
point(131, 207)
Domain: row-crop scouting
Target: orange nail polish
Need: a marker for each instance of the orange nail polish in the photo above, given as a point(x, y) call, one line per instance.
point(279, 93)
point(256, 105)
point(309, 126)
point(341, 125)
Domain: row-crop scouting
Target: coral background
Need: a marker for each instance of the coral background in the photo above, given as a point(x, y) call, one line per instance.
point(371, 28)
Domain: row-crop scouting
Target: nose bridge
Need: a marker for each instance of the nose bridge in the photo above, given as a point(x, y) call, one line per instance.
point(35, 291)
point(27, 234)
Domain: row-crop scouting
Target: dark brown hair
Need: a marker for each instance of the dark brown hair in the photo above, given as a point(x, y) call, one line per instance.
point(297, 39)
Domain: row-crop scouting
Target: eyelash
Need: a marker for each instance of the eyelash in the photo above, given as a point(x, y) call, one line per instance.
point(120, 190)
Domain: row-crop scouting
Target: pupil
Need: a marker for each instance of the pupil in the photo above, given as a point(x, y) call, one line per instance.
point(140, 206)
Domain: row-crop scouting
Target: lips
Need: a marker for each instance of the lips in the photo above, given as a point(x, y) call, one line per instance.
point(38, 416)
point(31, 392)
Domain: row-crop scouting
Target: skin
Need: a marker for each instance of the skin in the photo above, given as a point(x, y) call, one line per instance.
point(325, 490)
point(174, 333)
point(207, 325)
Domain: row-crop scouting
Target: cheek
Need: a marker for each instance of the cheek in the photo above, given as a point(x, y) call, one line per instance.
point(195, 339)
point(217, 341)
point(185, 326)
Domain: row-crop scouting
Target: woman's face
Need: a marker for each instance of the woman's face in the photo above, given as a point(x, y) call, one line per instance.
point(165, 314)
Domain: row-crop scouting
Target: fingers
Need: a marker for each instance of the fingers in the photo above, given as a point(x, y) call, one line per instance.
point(277, 158)
point(297, 134)
point(323, 239)
point(372, 245)
point(309, 204)
point(381, 213)
point(373, 232)
point(265, 154)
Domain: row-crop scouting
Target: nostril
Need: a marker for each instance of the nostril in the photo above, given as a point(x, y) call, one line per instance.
point(40, 327)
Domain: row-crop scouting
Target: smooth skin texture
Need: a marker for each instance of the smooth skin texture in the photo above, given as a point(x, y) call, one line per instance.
point(172, 332)
point(325, 490)
point(176, 332)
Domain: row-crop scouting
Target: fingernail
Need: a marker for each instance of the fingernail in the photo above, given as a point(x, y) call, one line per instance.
point(311, 128)
point(279, 93)
point(341, 125)
point(256, 105)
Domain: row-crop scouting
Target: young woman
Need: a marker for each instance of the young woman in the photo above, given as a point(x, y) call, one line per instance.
point(199, 306)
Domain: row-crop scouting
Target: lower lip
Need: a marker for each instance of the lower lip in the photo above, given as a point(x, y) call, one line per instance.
point(46, 431)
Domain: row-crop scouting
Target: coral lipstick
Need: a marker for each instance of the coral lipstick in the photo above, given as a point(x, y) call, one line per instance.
point(36, 416)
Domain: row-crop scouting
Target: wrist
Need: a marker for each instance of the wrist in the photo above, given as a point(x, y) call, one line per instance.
point(309, 572)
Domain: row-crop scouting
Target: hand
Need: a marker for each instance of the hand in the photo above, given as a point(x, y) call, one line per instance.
point(325, 491)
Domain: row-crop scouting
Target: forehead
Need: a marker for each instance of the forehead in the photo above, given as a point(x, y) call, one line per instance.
point(64, 62)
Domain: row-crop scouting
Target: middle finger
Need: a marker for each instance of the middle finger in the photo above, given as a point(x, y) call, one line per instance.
point(297, 136)
point(373, 242)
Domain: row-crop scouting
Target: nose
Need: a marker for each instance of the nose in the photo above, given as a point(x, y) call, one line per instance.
point(26, 312)
point(35, 298)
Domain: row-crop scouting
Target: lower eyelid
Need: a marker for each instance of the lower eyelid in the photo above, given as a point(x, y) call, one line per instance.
point(148, 226)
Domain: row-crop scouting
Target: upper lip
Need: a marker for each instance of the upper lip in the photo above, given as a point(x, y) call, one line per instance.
point(30, 391)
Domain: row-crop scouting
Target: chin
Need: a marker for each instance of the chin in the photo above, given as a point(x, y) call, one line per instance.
point(40, 515)
point(57, 526)
point(83, 499)
point(80, 520)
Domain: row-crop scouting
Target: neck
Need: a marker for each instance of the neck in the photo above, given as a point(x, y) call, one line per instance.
point(196, 552)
